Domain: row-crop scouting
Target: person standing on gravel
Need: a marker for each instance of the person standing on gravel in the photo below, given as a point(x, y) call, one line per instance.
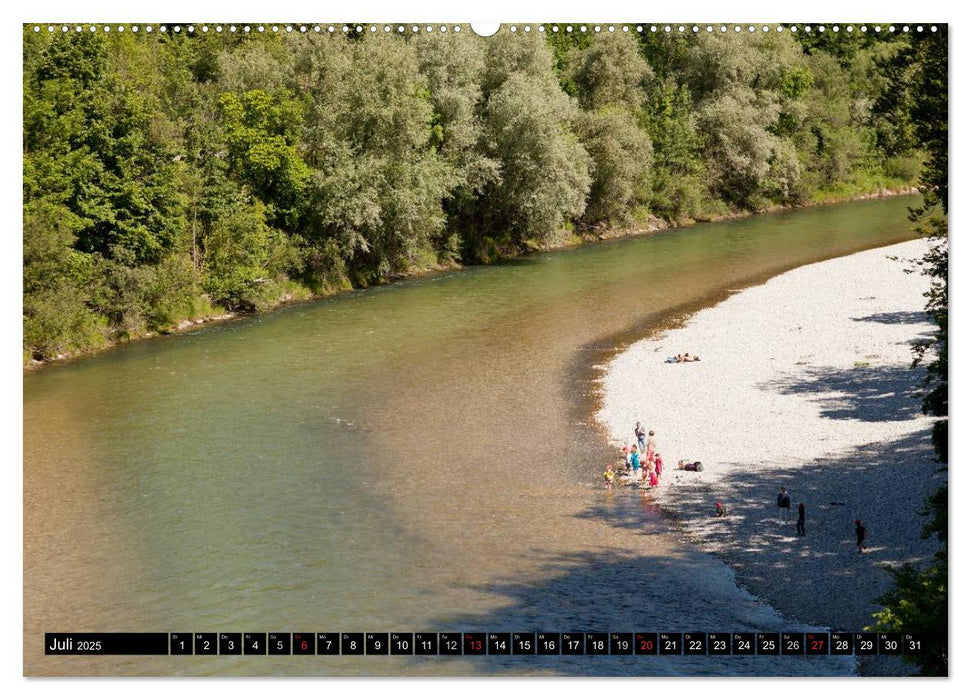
point(801, 520)
point(860, 536)
point(783, 502)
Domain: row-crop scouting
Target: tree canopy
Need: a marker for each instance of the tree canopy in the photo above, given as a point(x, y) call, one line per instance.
point(168, 176)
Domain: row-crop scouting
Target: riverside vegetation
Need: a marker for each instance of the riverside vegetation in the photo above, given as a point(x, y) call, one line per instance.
point(177, 176)
point(918, 602)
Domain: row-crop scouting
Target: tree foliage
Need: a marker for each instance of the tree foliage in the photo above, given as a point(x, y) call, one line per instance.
point(918, 601)
point(165, 175)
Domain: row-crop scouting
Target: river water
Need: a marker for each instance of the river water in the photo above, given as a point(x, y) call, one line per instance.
point(415, 457)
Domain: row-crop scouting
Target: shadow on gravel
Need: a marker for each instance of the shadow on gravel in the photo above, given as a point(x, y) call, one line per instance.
point(794, 573)
point(902, 317)
point(863, 393)
point(607, 592)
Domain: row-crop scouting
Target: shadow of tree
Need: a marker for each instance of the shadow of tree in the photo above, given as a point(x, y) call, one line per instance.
point(873, 394)
point(610, 592)
point(894, 317)
point(819, 578)
point(632, 508)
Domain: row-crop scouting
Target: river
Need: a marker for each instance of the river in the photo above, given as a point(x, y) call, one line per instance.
point(420, 456)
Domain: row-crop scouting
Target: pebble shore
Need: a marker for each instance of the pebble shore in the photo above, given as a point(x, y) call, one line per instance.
point(804, 382)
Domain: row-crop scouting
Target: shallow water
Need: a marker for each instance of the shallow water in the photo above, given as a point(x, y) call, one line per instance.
point(415, 457)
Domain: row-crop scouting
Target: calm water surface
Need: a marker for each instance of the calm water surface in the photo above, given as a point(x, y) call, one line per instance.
point(415, 457)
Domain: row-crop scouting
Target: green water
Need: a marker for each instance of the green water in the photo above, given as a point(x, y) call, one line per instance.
point(413, 457)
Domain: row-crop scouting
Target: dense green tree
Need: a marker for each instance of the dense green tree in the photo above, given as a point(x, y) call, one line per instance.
point(255, 65)
point(612, 72)
point(621, 154)
point(453, 66)
point(679, 192)
point(566, 42)
point(244, 257)
point(612, 79)
point(262, 132)
point(377, 190)
point(538, 174)
point(748, 163)
point(544, 172)
point(56, 281)
point(508, 54)
point(90, 138)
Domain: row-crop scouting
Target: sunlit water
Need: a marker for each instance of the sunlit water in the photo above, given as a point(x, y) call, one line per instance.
point(415, 457)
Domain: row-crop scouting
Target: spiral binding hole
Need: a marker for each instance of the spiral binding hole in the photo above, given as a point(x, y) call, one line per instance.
point(525, 29)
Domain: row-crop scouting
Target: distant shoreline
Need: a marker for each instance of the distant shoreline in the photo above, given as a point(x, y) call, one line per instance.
point(805, 381)
point(592, 236)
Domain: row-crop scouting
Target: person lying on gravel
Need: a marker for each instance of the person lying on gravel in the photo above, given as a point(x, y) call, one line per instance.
point(684, 357)
point(689, 466)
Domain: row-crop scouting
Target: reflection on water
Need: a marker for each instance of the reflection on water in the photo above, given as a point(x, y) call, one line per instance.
point(408, 458)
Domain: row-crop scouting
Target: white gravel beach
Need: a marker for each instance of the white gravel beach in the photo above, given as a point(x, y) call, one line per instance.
point(804, 382)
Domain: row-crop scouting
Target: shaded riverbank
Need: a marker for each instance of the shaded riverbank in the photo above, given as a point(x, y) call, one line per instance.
point(805, 382)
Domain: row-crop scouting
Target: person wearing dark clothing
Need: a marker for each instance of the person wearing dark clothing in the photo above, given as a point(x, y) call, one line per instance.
point(783, 502)
point(860, 536)
point(801, 520)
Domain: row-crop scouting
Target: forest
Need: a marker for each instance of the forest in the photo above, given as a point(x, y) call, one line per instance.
point(173, 176)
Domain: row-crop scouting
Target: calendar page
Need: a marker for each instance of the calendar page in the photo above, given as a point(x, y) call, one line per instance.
point(566, 348)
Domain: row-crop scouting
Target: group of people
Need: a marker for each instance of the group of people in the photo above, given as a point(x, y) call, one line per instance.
point(642, 463)
point(642, 466)
point(783, 502)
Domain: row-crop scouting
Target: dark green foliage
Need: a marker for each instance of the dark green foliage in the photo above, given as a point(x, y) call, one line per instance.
point(929, 113)
point(915, 605)
point(565, 45)
point(57, 279)
point(244, 256)
point(89, 141)
point(261, 132)
point(167, 173)
point(918, 601)
point(679, 192)
point(534, 177)
point(935, 264)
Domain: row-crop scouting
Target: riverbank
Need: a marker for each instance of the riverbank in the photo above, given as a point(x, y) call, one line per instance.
point(653, 225)
point(805, 382)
